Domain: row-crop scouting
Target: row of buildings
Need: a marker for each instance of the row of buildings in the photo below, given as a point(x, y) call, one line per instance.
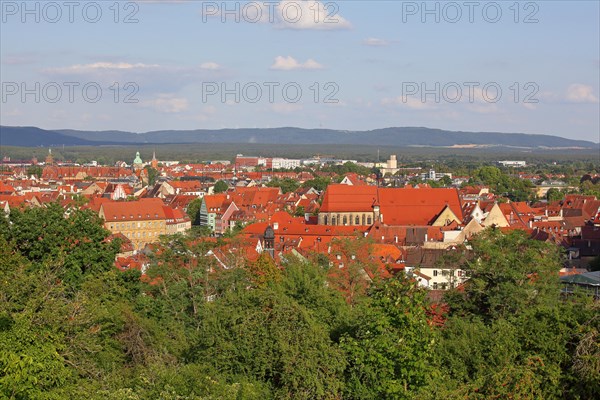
point(410, 228)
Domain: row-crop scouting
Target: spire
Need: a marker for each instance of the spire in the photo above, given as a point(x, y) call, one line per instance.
point(49, 158)
point(154, 161)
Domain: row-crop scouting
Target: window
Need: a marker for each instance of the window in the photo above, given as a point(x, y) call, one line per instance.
point(369, 220)
point(357, 220)
point(435, 273)
point(345, 220)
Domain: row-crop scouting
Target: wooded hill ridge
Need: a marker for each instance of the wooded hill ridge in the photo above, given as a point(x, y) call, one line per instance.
point(395, 136)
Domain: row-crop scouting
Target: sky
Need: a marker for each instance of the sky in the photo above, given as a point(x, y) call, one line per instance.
point(506, 66)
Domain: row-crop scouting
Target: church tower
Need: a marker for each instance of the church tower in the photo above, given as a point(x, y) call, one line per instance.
point(137, 162)
point(49, 158)
point(154, 162)
point(269, 239)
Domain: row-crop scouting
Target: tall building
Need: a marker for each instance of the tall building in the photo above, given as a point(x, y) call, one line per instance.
point(391, 166)
point(137, 162)
point(49, 158)
point(154, 161)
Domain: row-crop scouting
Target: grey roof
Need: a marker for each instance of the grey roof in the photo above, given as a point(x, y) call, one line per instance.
point(588, 278)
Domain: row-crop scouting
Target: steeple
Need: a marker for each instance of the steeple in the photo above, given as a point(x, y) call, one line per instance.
point(49, 158)
point(154, 162)
point(269, 241)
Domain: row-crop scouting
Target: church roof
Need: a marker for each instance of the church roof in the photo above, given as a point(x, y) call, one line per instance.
point(399, 206)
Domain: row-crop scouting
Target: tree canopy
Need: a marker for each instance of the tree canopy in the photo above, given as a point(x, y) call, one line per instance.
point(74, 326)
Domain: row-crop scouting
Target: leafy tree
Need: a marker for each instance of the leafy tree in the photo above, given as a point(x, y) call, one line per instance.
point(193, 211)
point(299, 211)
point(34, 170)
point(446, 181)
point(265, 335)
point(352, 279)
point(152, 174)
point(220, 186)
point(287, 185)
point(390, 350)
point(264, 270)
point(509, 273)
point(44, 235)
point(554, 194)
point(509, 335)
point(318, 183)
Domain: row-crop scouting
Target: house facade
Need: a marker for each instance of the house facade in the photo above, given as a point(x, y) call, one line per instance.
point(141, 221)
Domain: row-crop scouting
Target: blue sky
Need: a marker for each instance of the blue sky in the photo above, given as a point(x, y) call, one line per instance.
point(373, 64)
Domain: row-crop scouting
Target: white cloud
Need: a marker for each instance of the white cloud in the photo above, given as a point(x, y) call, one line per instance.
point(579, 93)
point(149, 78)
point(285, 14)
point(375, 42)
point(167, 103)
point(213, 66)
point(308, 14)
point(290, 63)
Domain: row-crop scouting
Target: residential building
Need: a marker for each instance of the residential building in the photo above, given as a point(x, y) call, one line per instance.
point(141, 221)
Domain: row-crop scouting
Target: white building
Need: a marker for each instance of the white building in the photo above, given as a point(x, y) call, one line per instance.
point(513, 164)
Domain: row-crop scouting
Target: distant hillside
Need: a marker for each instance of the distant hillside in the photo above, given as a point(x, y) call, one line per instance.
point(399, 137)
point(28, 136)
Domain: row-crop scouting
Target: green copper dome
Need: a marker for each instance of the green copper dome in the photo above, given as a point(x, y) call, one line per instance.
point(137, 159)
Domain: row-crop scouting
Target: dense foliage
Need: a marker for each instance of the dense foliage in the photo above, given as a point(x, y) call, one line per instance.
point(74, 327)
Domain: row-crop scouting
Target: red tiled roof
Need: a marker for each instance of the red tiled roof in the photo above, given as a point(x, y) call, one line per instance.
point(214, 201)
point(399, 206)
point(141, 210)
point(5, 188)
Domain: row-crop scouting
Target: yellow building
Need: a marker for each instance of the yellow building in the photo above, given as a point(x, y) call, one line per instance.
point(141, 221)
